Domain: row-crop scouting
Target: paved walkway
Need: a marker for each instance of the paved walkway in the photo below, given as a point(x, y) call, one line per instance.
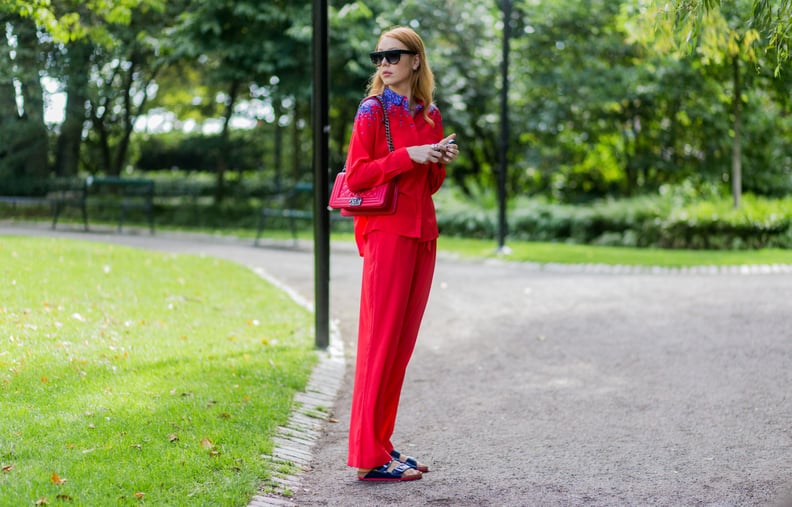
point(551, 386)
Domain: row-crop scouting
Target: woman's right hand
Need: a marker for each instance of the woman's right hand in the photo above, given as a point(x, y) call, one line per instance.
point(425, 153)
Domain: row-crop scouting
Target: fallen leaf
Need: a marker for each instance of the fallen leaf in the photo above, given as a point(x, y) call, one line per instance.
point(44, 380)
point(63, 497)
point(225, 415)
point(7, 468)
point(139, 495)
point(42, 501)
point(173, 437)
point(139, 447)
point(214, 453)
point(56, 479)
point(332, 420)
point(206, 443)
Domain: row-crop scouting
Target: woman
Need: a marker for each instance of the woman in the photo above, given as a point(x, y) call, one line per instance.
point(399, 249)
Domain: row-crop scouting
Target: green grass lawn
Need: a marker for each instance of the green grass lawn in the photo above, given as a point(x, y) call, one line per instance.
point(132, 377)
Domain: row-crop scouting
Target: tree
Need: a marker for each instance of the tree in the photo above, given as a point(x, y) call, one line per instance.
point(123, 75)
point(731, 35)
point(74, 31)
point(772, 21)
point(244, 43)
point(23, 134)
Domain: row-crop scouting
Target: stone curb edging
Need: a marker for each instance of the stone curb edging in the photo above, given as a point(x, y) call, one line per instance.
point(619, 269)
point(295, 440)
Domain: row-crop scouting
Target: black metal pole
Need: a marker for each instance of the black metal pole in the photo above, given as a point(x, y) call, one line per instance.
point(504, 142)
point(321, 150)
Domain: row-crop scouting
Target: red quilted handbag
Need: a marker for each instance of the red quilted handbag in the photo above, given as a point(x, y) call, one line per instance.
point(379, 200)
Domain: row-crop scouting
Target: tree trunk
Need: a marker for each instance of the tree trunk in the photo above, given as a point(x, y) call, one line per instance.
point(101, 130)
point(736, 143)
point(9, 115)
point(128, 116)
point(67, 154)
point(296, 151)
point(33, 145)
point(222, 162)
point(277, 156)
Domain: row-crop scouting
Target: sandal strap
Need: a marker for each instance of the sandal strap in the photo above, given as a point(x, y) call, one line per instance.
point(398, 469)
point(391, 470)
point(409, 460)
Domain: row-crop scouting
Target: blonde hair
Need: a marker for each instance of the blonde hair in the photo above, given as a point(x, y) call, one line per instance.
point(422, 82)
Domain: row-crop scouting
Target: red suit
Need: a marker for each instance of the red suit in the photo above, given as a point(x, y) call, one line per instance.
point(398, 264)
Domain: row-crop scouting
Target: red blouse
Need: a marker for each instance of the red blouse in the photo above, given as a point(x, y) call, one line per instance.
point(369, 163)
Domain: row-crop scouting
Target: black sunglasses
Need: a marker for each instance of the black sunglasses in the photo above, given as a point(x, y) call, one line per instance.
point(392, 55)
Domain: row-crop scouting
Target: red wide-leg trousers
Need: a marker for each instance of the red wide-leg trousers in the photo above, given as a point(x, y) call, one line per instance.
point(397, 277)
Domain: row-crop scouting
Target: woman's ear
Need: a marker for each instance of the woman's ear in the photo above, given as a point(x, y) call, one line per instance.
point(416, 62)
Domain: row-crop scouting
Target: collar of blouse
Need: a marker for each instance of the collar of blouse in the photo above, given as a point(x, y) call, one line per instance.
point(393, 98)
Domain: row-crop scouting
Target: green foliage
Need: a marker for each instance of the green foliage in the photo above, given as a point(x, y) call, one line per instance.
point(70, 20)
point(191, 152)
point(128, 378)
point(679, 217)
point(709, 27)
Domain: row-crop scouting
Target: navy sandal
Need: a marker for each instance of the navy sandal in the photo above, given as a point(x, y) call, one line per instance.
point(409, 461)
point(392, 471)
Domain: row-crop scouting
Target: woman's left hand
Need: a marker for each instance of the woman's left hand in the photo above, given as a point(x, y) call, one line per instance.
point(449, 148)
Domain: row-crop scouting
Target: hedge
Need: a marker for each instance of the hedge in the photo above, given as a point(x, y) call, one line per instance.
point(657, 221)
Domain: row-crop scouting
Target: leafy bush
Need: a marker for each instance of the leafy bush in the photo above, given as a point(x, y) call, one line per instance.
point(675, 218)
point(199, 152)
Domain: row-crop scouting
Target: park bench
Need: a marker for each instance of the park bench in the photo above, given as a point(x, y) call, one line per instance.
point(67, 192)
point(127, 194)
point(182, 192)
point(22, 192)
point(292, 204)
point(22, 200)
point(55, 193)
